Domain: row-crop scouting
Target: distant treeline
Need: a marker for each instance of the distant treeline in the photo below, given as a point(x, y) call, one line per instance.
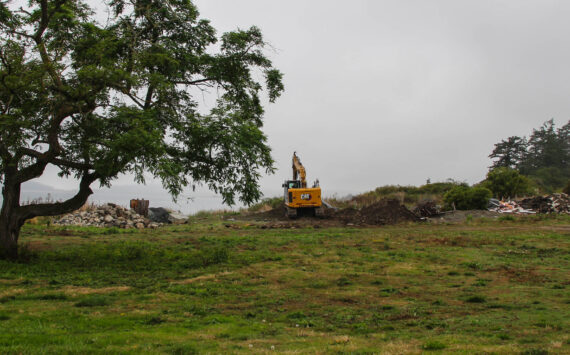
point(544, 156)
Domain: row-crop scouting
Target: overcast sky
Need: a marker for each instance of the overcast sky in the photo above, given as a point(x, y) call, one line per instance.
point(395, 92)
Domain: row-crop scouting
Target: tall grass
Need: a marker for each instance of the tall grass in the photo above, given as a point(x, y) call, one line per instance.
point(408, 195)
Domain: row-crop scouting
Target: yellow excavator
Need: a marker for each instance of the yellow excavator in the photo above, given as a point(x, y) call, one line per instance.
point(300, 199)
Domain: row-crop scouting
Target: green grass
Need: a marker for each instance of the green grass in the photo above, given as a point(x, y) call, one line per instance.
point(482, 287)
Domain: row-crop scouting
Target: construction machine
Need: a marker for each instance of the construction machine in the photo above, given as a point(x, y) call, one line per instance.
point(300, 199)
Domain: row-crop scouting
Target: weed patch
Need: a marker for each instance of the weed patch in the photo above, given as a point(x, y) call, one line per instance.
point(476, 299)
point(434, 345)
point(94, 301)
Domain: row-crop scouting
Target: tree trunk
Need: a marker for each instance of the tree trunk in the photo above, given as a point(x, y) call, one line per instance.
point(10, 221)
point(13, 216)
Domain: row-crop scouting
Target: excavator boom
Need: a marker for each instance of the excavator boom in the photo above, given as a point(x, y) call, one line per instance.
point(299, 171)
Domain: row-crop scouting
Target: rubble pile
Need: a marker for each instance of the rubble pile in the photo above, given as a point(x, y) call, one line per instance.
point(507, 207)
point(109, 215)
point(427, 209)
point(554, 203)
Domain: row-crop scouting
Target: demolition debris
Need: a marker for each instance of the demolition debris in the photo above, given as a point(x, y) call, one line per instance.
point(109, 215)
point(554, 203)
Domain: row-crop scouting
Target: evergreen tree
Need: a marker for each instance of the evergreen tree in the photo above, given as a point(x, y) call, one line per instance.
point(544, 156)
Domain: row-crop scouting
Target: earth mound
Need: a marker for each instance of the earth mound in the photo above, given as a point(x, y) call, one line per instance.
point(386, 211)
point(383, 212)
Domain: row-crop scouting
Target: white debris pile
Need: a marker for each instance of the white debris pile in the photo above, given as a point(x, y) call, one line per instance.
point(554, 203)
point(507, 207)
point(109, 215)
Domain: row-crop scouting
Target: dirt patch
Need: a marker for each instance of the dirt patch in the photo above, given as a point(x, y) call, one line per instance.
point(461, 216)
point(273, 214)
point(38, 246)
point(525, 275)
point(384, 212)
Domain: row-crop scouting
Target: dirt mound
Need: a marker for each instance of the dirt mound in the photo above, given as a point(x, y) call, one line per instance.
point(386, 211)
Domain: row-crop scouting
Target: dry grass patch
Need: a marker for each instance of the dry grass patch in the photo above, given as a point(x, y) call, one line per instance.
point(12, 292)
point(207, 277)
point(75, 290)
point(400, 347)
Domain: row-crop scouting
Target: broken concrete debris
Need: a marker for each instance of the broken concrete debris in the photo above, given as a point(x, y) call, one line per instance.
point(108, 215)
point(112, 215)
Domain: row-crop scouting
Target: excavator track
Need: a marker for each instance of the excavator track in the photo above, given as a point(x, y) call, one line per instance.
point(291, 212)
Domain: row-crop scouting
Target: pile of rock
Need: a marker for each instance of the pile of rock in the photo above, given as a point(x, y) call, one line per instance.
point(109, 215)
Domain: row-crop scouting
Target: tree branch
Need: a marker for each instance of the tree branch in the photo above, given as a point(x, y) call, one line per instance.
point(58, 208)
point(55, 161)
point(194, 82)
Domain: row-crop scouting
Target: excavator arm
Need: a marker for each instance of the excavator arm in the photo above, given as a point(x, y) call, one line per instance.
point(299, 171)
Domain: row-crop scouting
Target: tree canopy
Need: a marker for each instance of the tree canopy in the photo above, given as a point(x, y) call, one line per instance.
point(97, 100)
point(544, 156)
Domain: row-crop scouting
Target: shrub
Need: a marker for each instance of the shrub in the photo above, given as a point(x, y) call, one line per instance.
point(566, 189)
point(476, 299)
point(93, 301)
point(507, 183)
point(535, 352)
point(507, 217)
point(467, 198)
point(272, 202)
point(434, 345)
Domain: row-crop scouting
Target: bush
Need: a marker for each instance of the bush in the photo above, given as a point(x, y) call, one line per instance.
point(467, 198)
point(93, 301)
point(434, 345)
point(507, 183)
point(407, 194)
point(566, 190)
point(272, 202)
point(476, 299)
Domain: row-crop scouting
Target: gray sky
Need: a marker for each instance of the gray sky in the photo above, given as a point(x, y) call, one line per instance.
point(394, 92)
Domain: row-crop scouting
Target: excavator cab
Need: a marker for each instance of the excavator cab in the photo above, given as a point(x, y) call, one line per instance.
point(292, 184)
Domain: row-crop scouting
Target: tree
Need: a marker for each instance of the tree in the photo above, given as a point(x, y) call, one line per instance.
point(509, 153)
point(544, 149)
point(544, 156)
point(507, 183)
point(97, 101)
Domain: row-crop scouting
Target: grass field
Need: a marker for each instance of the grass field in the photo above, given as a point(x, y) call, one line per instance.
point(208, 287)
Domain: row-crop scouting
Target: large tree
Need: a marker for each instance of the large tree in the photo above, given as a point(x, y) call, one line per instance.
point(544, 156)
point(97, 100)
point(509, 153)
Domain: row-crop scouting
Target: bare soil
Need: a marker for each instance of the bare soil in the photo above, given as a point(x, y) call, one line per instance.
point(384, 212)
